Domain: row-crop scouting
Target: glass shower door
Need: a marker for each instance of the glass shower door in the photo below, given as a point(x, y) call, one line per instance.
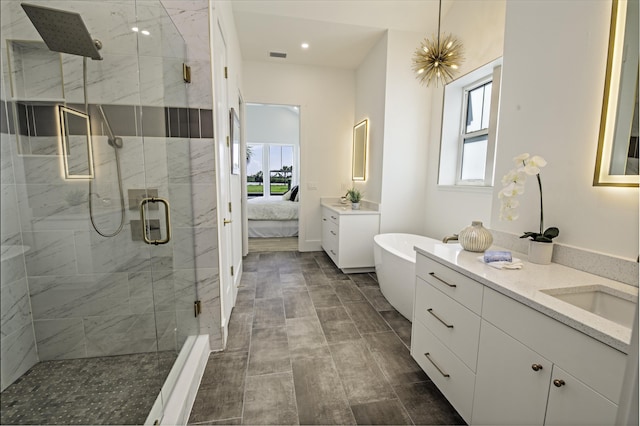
point(91, 296)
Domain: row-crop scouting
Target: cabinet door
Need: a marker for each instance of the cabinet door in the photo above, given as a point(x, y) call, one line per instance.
point(512, 381)
point(571, 402)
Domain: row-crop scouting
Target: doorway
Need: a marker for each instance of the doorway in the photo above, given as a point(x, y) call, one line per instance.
point(272, 176)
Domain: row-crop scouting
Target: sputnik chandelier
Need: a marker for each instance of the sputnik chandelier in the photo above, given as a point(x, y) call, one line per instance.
point(437, 59)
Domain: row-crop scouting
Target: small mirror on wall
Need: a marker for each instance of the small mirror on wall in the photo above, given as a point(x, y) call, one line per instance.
point(75, 139)
point(360, 141)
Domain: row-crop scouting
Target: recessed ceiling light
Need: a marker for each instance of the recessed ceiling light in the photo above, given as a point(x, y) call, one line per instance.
point(145, 32)
point(135, 29)
point(305, 45)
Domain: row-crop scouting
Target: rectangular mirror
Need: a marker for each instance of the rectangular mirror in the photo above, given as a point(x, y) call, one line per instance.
point(75, 141)
point(360, 141)
point(617, 156)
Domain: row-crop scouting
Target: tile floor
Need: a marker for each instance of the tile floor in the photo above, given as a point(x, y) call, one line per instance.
point(311, 345)
point(115, 390)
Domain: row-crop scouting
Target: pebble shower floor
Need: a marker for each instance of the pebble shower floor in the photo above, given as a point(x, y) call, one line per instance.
point(90, 391)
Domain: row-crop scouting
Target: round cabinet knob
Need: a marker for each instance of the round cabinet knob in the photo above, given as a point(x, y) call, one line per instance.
point(558, 383)
point(536, 367)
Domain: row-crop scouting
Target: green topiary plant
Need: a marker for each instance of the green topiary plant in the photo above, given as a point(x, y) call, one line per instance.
point(354, 195)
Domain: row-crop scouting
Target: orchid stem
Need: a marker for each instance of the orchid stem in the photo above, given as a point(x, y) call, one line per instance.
point(541, 209)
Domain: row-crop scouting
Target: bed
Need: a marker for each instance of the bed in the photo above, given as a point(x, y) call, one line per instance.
point(271, 217)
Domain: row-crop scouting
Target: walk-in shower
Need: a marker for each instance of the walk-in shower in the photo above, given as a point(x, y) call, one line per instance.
point(93, 317)
point(65, 32)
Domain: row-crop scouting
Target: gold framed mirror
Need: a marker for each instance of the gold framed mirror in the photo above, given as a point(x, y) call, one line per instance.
point(360, 141)
point(617, 156)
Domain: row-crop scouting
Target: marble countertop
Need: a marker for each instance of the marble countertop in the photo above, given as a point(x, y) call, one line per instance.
point(345, 208)
point(525, 285)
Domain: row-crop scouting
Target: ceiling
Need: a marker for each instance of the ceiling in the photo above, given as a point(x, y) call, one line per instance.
point(340, 33)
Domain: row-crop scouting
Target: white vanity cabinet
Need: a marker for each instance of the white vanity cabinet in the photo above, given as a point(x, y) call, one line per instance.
point(501, 362)
point(446, 329)
point(534, 370)
point(347, 237)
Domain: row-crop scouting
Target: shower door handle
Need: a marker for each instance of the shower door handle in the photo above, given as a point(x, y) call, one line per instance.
point(143, 219)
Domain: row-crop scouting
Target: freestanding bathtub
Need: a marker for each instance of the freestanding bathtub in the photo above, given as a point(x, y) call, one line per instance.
point(395, 262)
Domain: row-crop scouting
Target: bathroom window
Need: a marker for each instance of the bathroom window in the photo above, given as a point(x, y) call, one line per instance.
point(474, 135)
point(469, 127)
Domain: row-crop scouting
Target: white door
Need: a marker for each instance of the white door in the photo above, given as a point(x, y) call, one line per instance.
point(225, 237)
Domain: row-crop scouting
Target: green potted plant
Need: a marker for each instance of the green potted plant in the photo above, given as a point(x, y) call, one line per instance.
point(354, 195)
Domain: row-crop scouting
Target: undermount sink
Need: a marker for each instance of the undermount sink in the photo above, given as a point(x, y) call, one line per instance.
point(606, 302)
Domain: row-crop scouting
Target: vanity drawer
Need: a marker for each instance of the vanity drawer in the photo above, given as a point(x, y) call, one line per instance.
point(330, 216)
point(597, 365)
point(330, 239)
point(456, 326)
point(450, 375)
point(455, 285)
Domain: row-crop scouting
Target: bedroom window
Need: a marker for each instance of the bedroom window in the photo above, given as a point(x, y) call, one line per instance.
point(270, 169)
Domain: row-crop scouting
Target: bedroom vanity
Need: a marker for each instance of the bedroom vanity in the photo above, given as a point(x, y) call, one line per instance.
point(347, 235)
point(517, 346)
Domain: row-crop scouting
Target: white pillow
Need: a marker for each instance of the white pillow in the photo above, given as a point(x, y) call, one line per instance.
point(287, 196)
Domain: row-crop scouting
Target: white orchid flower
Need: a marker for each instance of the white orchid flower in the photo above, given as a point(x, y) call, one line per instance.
point(508, 215)
point(532, 166)
point(514, 176)
point(510, 203)
point(512, 190)
point(520, 158)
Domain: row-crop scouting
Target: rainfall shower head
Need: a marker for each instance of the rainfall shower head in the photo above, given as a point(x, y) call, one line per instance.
point(63, 31)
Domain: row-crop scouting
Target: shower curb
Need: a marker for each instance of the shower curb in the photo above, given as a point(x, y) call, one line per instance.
point(189, 369)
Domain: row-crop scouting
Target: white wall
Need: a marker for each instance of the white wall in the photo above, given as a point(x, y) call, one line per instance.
point(371, 83)
point(553, 80)
point(272, 124)
point(480, 27)
point(406, 132)
point(326, 97)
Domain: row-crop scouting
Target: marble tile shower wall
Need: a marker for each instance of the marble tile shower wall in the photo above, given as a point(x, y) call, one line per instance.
point(90, 295)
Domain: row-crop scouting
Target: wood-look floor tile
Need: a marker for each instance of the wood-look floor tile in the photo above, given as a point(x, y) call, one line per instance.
point(319, 394)
point(399, 324)
point(336, 324)
point(389, 412)
point(268, 285)
point(324, 296)
point(347, 291)
point(366, 319)
point(297, 303)
point(363, 280)
point(270, 400)
point(224, 367)
point(292, 279)
point(315, 278)
point(426, 405)
point(249, 279)
point(221, 391)
point(240, 326)
point(268, 313)
point(269, 351)
point(394, 359)
point(361, 377)
point(376, 298)
point(306, 339)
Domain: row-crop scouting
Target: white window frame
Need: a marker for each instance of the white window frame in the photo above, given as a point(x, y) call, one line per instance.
point(453, 125)
point(266, 175)
point(482, 132)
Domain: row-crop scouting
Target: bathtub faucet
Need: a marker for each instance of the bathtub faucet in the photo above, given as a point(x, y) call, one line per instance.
point(453, 237)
